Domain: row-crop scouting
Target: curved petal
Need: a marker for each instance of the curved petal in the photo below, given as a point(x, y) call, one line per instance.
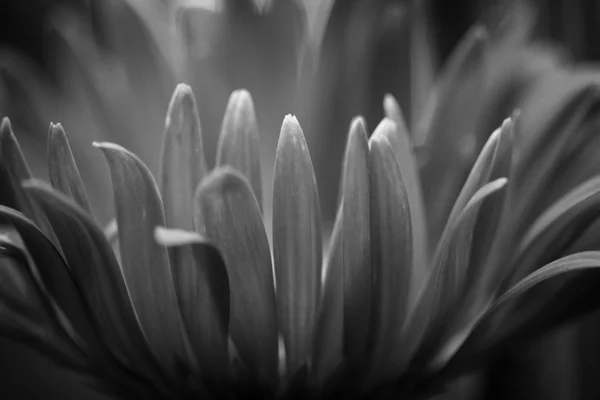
point(97, 272)
point(62, 168)
point(145, 264)
point(13, 170)
point(183, 165)
point(203, 292)
point(391, 245)
point(26, 315)
point(239, 142)
point(400, 140)
point(53, 273)
point(496, 325)
point(356, 244)
point(297, 244)
point(233, 223)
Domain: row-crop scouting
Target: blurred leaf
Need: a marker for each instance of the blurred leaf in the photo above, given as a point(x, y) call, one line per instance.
point(391, 245)
point(297, 244)
point(63, 171)
point(233, 223)
point(239, 142)
point(356, 244)
point(203, 293)
point(145, 264)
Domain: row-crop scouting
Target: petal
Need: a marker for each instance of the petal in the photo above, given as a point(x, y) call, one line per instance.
point(13, 170)
point(512, 315)
point(234, 224)
point(52, 272)
point(203, 291)
point(63, 171)
point(297, 244)
point(574, 209)
point(97, 273)
point(451, 132)
point(328, 351)
point(26, 315)
point(356, 244)
point(239, 142)
point(436, 308)
point(183, 164)
point(145, 264)
point(391, 245)
point(403, 147)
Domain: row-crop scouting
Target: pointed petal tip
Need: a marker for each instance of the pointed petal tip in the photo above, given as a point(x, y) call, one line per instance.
point(383, 130)
point(291, 134)
point(220, 179)
point(5, 125)
point(181, 107)
point(358, 125)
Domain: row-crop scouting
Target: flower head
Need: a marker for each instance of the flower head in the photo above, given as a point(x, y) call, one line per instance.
point(192, 298)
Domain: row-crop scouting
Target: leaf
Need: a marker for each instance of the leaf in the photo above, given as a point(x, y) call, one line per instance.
point(203, 293)
point(26, 315)
point(239, 142)
point(401, 143)
point(297, 244)
point(328, 351)
point(356, 244)
point(183, 165)
point(145, 264)
point(52, 272)
point(234, 224)
point(63, 171)
point(98, 274)
point(391, 246)
point(496, 326)
point(13, 170)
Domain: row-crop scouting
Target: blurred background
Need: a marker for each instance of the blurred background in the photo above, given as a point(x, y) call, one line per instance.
point(106, 70)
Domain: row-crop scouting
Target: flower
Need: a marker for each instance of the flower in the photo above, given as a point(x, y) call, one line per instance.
point(197, 302)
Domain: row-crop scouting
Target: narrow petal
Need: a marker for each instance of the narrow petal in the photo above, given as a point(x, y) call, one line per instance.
point(145, 264)
point(297, 244)
point(97, 273)
point(13, 170)
point(391, 245)
point(572, 210)
point(239, 142)
point(356, 244)
point(64, 174)
point(53, 273)
point(26, 315)
point(451, 133)
point(402, 146)
point(497, 325)
point(328, 351)
point(444, 288)
point(183, 164)
point(234, 224)
point(203, 293)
